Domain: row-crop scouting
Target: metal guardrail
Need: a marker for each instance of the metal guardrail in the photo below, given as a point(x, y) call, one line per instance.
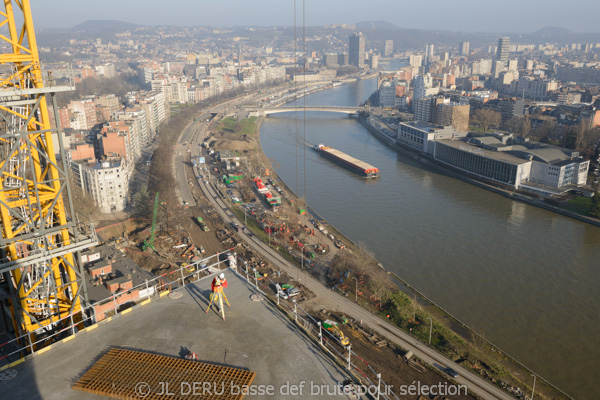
point(56, 77)
point(347, 358)
point(27, 346)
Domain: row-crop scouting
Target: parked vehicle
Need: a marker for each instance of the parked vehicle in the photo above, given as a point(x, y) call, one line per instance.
point(202, 224)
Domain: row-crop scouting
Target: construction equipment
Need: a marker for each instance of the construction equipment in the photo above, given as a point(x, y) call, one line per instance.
point(149, 243)
point(202, 224)
point(40, 231)
point(333, 328)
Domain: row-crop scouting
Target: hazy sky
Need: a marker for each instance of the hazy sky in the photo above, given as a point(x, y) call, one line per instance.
point(457, 15)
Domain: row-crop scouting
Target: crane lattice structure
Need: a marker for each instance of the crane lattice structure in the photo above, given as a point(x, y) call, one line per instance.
point(40, 240)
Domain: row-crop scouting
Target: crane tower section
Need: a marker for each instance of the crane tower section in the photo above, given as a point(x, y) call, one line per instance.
point(41, 283)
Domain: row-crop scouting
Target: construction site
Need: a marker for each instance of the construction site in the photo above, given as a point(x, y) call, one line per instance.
point(124, 310)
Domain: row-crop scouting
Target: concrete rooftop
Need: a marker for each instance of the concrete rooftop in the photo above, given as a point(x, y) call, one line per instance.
point(255, 336)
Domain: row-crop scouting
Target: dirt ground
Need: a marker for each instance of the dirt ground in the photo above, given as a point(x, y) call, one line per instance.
point(386, 358)
point(180, 226)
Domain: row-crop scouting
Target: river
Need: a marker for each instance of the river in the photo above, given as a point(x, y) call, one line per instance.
point(525, 278)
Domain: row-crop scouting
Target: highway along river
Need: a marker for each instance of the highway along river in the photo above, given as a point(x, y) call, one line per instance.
point(525, 278)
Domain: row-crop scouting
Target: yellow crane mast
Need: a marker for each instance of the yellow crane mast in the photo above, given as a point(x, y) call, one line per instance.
point(39, 277)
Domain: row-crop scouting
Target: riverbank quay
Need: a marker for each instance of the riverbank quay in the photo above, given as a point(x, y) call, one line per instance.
point(320, 301)
point(421, 327)
point(541, 202)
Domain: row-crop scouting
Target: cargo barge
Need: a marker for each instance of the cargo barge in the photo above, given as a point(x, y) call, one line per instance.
point(353, 164)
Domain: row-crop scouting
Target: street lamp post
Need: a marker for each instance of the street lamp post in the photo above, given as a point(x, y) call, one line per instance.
point(533, 389)
point(356, 290)
point(430, 329)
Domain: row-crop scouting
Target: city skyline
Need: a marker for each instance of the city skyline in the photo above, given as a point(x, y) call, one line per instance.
point(465, 15)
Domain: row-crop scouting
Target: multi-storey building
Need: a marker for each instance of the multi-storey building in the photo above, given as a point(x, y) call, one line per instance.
point(421, 135)
point(387, 94)
point(424, 109)
point(357, 50)
point(537, 168)
point(106, 107)
point(419, 87)
point(452, 114)
point(137, 116)
point(331, 60)
point(107, 181)
point(120, 138)
point(428, 52)
point(87, 110)
point(388, 48)
point(579, 74)
point(503, 50)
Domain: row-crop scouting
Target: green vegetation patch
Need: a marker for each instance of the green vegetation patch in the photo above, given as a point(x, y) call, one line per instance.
point(228, 125)
point(581, 205)
point(245, 126)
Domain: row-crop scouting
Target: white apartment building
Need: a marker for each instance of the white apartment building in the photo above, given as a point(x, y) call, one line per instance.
point(106, 181)
point(154, 105)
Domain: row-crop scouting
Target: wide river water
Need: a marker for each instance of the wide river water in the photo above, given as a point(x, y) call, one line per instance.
point(525, 278)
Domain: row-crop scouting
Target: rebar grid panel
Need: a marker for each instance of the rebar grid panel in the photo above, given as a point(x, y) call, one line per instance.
point(130, 374)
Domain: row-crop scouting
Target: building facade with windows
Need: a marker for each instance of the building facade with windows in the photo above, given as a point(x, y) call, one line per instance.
point(357, 50)
point(421, 136)
point(106, 181)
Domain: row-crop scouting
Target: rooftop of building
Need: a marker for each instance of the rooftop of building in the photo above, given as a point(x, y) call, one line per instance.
point(462, 144)
point(505, 143)
point(255, 336)
point(122, 267)
point(426, 126)
point(113, 162)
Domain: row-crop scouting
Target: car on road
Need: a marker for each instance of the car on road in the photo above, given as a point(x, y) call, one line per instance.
point(236, 227)
point(451, 372)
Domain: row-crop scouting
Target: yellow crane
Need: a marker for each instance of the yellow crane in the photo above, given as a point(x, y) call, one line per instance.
point(38, 271)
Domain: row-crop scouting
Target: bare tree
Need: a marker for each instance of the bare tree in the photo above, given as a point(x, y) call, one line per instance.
point(547, 131)
point(487, 118)
point(526, 128)
point(378, 286)
point(514, 125)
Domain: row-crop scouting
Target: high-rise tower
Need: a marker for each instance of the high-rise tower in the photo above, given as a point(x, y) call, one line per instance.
point(389, 48)
point(356, 46)
point(428, 52)
point(503, 46)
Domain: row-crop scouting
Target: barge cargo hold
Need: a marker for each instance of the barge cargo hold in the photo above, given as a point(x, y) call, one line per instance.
point(353, 164)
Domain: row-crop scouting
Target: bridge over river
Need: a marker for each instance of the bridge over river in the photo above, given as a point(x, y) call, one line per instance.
point(275, 110)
